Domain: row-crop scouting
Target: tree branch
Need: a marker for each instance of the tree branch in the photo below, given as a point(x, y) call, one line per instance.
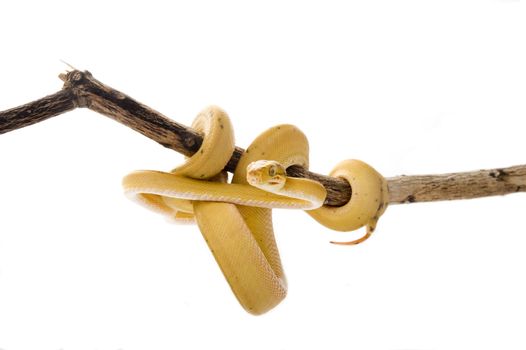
point(37, 111)
point(82, 90)
point(471, 184)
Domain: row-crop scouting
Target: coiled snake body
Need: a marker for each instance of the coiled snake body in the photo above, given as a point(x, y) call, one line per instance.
point(236, 219)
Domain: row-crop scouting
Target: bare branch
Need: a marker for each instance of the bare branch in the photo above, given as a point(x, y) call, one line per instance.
point(36, 111)
point(472, 184)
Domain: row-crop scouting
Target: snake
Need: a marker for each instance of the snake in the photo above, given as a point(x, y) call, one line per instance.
point(235, 218)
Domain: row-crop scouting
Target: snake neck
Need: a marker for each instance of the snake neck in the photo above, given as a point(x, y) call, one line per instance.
point(302, 189)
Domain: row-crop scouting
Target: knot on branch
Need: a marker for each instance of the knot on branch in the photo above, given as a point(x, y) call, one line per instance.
point(74, 82)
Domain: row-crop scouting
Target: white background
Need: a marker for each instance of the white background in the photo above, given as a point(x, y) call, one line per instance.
point(411, 87)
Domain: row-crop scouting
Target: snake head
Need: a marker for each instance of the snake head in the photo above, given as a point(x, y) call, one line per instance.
point(267, 175)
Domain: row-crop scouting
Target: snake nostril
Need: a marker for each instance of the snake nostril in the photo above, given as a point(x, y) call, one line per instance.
point(254, 179)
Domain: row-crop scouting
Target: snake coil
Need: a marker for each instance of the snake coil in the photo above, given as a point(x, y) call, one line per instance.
point(236, 218)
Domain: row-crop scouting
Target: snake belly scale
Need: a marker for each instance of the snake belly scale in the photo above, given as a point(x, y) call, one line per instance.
point(235, 218)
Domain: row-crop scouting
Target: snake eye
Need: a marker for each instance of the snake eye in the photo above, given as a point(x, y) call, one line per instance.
point(272, 170)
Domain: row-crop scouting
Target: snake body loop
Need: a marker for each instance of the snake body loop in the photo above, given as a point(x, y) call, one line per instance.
point(235, 218)
point(368, 201)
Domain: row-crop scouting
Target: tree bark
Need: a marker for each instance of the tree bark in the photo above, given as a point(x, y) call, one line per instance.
point(82, 90)
point(472, 184)
point(37, 111)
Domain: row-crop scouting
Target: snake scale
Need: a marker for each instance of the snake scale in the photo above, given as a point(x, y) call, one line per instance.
point(235, 218)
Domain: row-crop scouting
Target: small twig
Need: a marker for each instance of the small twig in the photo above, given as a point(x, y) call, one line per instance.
point(82, 90)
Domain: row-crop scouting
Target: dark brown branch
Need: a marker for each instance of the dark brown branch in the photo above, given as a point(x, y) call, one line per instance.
point(37, 111)
point(100, 98)
point(82, 90)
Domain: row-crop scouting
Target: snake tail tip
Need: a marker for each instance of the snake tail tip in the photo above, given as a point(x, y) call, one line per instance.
point(343, 243)
point(355, 242)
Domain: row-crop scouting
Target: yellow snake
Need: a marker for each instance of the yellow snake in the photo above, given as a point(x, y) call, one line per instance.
point(236, 219)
